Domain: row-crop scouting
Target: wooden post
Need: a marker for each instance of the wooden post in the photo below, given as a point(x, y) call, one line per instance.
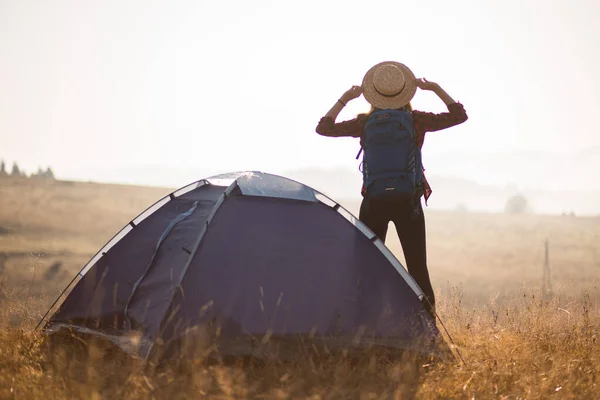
point(546, 278)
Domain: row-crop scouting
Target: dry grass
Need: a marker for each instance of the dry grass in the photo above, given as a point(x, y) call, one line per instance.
point(487, 269)
point(534, 349)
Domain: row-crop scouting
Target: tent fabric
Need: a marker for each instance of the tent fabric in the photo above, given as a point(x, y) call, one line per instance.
point(254, 254)
point(100, 296)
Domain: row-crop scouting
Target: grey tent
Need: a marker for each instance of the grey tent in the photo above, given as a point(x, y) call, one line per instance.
point(247, 258)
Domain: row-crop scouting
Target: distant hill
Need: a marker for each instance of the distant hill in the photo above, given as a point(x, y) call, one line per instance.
point(554, 183)
point(451, 193)
point(526, 169)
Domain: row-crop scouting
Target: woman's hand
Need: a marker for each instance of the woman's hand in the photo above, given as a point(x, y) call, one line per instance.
point(352, 93)
point(424, 84)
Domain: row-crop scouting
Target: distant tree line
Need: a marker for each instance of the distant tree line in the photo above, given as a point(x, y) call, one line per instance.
point(17, 172)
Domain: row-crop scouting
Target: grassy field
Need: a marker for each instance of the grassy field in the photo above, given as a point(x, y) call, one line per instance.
point(487, 270)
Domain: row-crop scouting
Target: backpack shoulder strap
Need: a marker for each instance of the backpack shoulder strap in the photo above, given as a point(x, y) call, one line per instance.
point(359, 150)
point(361, 136)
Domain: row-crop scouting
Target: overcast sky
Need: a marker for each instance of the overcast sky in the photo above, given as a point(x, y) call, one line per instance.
point(103, 90)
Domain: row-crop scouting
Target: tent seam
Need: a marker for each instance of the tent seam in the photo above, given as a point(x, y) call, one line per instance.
point(218, 204)
point(179, 218)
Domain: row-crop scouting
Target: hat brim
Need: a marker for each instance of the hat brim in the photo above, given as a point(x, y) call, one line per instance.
point(378, 100)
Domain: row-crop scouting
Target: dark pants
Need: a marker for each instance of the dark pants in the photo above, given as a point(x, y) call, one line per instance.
point(410, 225)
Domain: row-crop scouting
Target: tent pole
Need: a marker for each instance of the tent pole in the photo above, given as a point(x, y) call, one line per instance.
point(56, 301)
point(445, 330)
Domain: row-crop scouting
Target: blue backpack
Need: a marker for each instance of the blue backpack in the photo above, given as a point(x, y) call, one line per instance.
point(392, 167)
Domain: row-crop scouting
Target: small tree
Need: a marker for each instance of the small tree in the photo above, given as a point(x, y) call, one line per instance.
point(517, 204)
point(15, 170)
point(38, 174)
point(48, 174)
point(2, 168)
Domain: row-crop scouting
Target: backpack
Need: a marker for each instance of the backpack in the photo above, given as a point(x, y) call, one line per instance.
point(392, 167)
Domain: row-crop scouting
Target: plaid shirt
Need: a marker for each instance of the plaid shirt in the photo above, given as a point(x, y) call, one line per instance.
point(423, 121)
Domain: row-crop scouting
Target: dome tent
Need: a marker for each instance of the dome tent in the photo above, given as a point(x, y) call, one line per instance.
point(248, 259)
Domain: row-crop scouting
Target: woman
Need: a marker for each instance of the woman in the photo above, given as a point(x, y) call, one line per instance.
point(391, 85)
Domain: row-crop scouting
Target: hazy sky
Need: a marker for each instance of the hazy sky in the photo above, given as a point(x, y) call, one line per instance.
point(101, 90)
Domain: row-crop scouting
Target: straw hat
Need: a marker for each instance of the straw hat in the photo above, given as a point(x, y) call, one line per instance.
point(389, 85)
